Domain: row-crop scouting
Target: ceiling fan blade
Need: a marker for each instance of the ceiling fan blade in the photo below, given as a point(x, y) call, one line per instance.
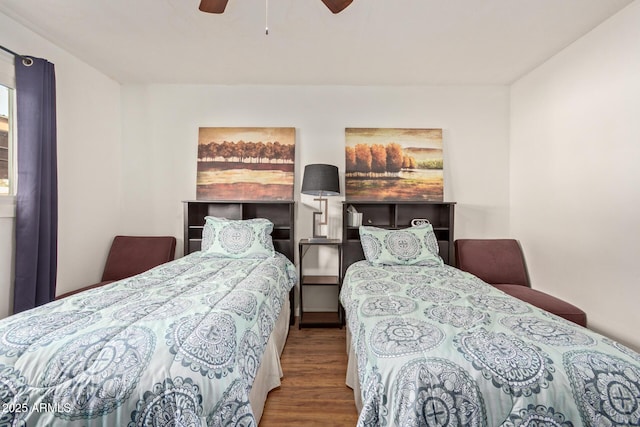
point(213, 6)
point(337, 6)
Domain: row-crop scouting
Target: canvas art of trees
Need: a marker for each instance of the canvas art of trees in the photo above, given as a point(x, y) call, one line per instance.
point(247, 152)
point(377, 160)
point(245, 164)
point(394, 164)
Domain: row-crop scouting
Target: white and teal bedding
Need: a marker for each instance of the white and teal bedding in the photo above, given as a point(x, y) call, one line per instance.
point(435, 346)
point(178, 345)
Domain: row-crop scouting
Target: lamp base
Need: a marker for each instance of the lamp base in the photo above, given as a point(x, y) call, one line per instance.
point(316, 226)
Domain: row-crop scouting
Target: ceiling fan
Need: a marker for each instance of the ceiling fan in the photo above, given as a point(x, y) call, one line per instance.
point(218, 6)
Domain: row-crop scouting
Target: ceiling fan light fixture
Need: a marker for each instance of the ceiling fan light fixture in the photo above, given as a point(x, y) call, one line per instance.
point(337, 6)
point(218, 6)
point(213, 6)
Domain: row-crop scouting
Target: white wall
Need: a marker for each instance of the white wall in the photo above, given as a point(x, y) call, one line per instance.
point(160, 134)
point(89, 164)
point(575, 174)
point(7, 244)
point(7, 205)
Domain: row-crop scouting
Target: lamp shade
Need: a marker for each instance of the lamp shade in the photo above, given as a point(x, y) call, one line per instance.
point(321, 180)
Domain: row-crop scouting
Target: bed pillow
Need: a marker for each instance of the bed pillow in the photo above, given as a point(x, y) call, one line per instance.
point(408, 246)
point(228, 238)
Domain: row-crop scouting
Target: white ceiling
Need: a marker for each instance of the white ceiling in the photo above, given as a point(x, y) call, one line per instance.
point(372, 42)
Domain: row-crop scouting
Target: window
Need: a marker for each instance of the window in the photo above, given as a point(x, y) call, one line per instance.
point(6, 130)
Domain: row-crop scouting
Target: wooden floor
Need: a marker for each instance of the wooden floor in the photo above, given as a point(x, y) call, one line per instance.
point(313, 392)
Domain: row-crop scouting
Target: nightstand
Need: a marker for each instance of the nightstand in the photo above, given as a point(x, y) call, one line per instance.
point(319, 319)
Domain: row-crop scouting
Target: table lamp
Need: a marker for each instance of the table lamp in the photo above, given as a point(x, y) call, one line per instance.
point(320, 180)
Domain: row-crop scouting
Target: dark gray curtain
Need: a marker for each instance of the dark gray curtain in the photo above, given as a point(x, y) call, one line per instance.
point(37, 192)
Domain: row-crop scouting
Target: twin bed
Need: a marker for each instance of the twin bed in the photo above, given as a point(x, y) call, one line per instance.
point(196, 341)
point(430, 345)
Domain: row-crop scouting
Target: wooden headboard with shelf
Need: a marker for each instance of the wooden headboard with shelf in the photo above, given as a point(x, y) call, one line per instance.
point(281, 213)
point(394, 215)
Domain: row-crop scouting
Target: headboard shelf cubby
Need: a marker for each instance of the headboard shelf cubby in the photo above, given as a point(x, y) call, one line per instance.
point(394, 215)
point(281, 213)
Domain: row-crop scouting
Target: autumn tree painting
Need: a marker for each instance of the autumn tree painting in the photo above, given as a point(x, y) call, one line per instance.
point(245, 163)
point(394, 164)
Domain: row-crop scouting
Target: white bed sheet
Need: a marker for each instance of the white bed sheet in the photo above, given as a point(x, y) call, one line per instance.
point(270, 371)
point(352, 373)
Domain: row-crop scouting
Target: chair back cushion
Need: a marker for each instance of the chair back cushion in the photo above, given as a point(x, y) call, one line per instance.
point(496, 261)
point(131, 255)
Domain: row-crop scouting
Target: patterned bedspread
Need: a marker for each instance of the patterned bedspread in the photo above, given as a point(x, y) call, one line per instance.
point(438, 347)
point(177, 345)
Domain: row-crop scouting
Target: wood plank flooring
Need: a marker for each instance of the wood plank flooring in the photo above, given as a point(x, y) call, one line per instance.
point(313, 392)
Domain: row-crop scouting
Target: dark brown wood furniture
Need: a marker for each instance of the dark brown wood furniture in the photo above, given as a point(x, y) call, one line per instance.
point(319, 319)
point(395, 215)
point(280, 212)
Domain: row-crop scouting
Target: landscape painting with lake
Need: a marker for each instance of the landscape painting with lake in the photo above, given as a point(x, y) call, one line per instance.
point(394, 164)
point(246, 163)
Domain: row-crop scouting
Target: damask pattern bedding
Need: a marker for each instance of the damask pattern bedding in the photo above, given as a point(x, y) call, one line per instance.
point(436, 346)
point(177, 345)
